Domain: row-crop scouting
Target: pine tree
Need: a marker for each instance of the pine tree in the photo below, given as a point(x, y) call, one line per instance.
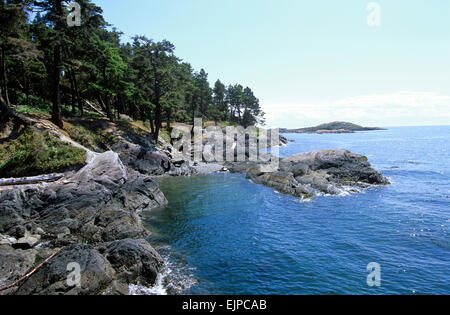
point(220, 102)
point(204, 92)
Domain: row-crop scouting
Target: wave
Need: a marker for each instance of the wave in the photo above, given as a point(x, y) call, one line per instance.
point(175, 277)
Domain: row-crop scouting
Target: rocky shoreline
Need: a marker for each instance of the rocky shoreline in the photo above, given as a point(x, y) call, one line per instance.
point(92, 216)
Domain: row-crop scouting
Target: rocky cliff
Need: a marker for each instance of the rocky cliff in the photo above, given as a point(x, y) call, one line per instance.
point(94, 215)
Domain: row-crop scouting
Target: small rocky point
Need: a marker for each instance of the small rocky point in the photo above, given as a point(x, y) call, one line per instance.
point(319, 172)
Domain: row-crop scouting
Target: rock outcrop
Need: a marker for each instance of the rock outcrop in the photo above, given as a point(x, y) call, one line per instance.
point(95, 214)
point(215, 141)
point(306, 175)
point(147, 158)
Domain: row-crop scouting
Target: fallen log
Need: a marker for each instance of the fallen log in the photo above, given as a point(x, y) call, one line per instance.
point(94, 108)
point(30, 180)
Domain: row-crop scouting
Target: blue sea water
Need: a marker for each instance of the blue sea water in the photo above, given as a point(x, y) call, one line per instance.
point(222, 234)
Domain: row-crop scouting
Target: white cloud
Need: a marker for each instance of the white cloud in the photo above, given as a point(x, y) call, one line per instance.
point(396, 109)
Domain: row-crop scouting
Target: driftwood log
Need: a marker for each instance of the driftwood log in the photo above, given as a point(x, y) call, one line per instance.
point(30, 180)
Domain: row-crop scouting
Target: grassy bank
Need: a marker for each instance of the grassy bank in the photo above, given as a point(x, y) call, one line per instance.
point(34, 153)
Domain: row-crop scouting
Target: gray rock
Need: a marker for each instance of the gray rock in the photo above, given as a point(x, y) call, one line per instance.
point(320, 182)
point(27, 242)
point(51, 279)
point(62, 210)
point(235, 147)
point(125, 117)
point(344, 167)
point(64, 231)
point(241, 167)
point(106, 169)
point(117, 288)
point(208, 168)
point(6, 241)
point(123, 225)
point(39, 231)
point(298, 169)
point(14, 263)
point(304, 191)
point(283, 182)
point(135, 261)
point(100, 203)
point(325, 171)
point(148, 159)
point(10, 212)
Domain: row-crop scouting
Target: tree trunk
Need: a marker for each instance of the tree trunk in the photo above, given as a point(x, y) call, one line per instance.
point(77, 93)
point(108, 108)
point(72, 91)
point(117, 107)
point(158, 121)
point(122, 105)
point(152, 125)
point(57, 68)
point(27, 90)
point(56, 110)
point(76, 97)
point(102, 104)
point(109, 112)
point(169, 117)
point(142, 112)
point(4, 77)
point(158, 110)
point(193, 110)
point(5, 110)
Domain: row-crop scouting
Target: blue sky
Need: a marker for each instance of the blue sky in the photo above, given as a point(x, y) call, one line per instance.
point(311, 62)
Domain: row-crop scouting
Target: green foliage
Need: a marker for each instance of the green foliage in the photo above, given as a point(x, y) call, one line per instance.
point(33, 104)
point(34, 153)
point(339, 125)
point(92, 138)
point(143, 79)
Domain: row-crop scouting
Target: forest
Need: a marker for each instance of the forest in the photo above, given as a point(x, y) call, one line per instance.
point(49, 67)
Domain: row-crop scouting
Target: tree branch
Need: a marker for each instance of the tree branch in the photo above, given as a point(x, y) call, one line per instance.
point(16, 283)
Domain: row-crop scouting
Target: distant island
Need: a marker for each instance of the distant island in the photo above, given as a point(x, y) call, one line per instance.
point(334, 127)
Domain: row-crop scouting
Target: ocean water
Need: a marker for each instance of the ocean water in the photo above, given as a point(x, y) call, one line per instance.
point(222, 234)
